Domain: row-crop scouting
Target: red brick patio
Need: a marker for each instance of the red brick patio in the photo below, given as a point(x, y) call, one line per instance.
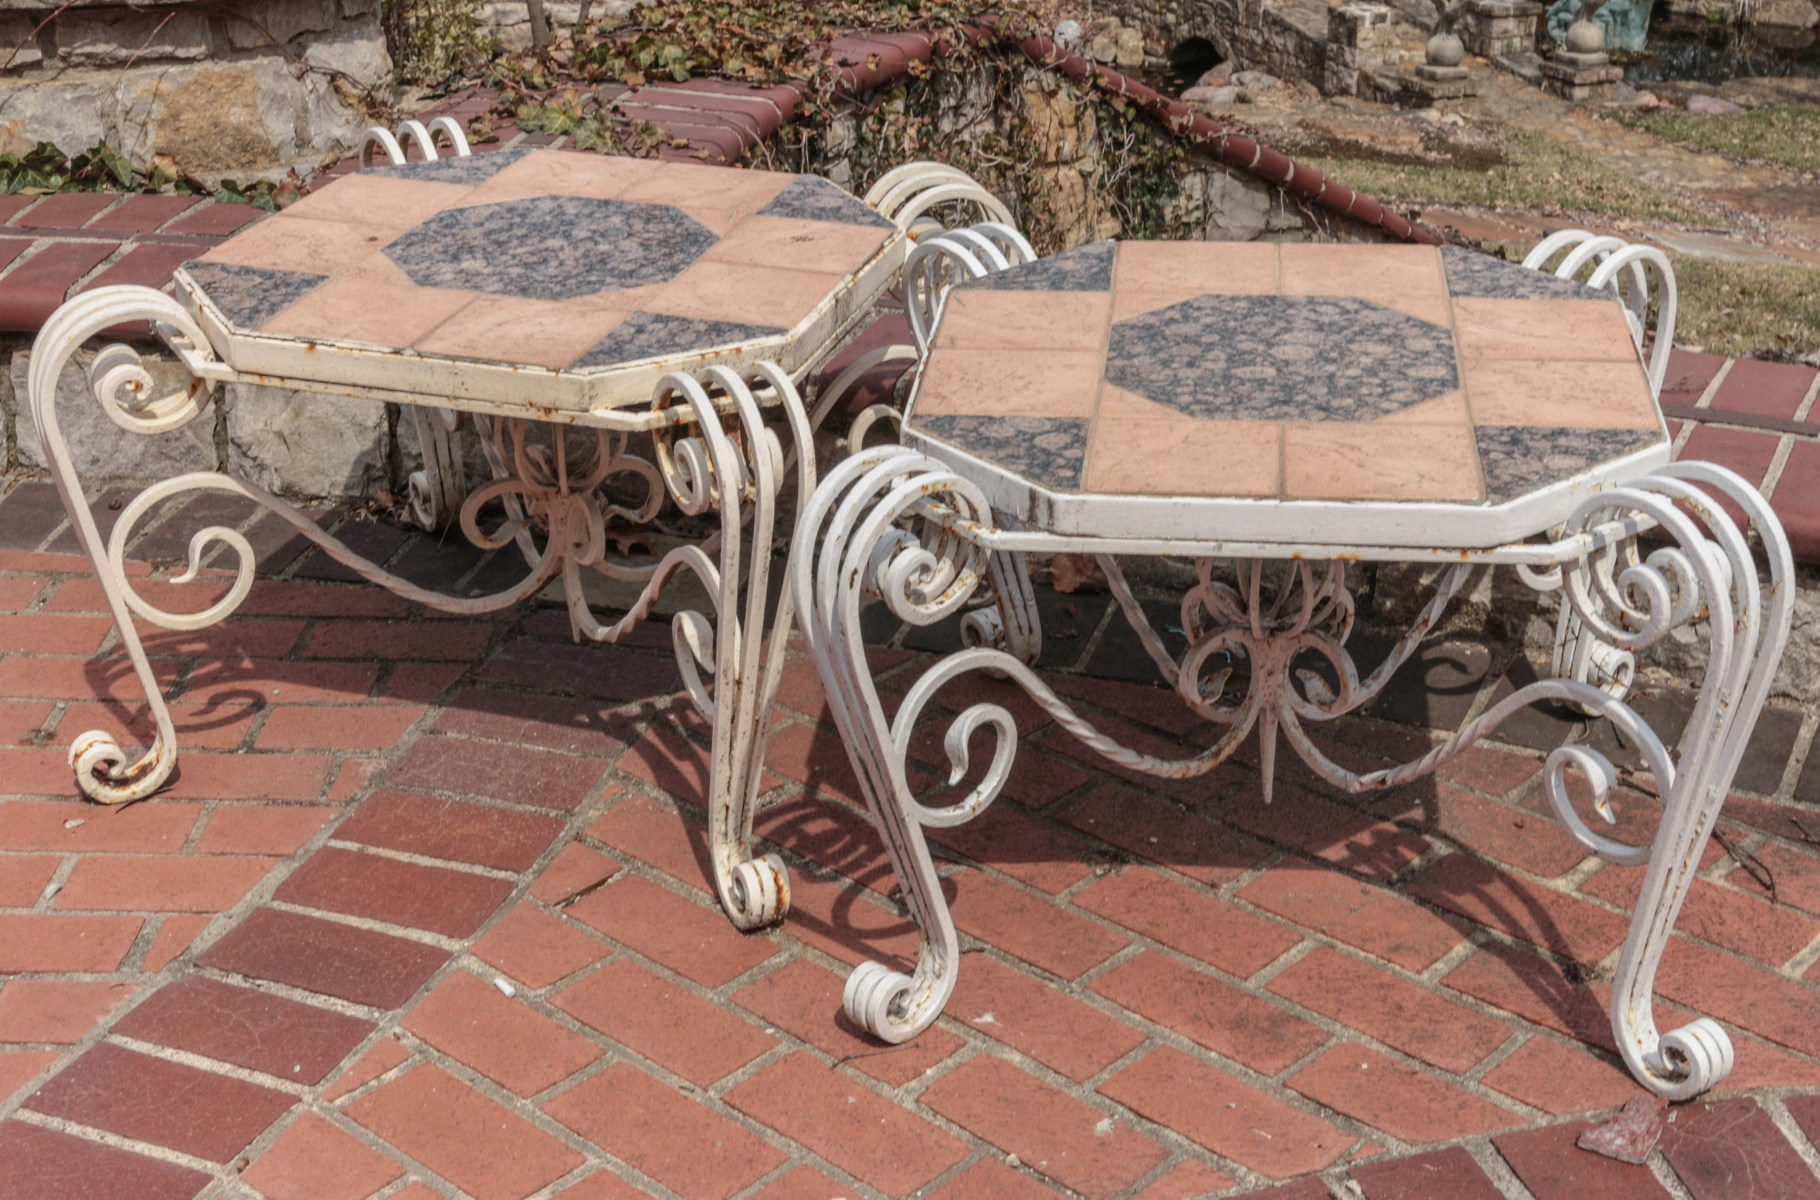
point(424, 915)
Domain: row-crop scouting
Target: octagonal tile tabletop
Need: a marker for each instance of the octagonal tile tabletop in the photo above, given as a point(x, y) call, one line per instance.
point(548, 279)
point(1312, 393)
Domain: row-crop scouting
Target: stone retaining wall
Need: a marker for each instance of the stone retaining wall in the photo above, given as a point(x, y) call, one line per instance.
point(1067, 178)
point(1341, 49)
point(246, 91)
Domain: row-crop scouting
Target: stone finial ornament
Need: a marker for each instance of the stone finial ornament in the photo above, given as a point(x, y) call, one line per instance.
point(1585, 35)
point(1441, 75)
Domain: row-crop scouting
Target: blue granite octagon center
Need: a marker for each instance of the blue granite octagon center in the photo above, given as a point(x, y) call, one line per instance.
point(551, 247)
point(1300, 358)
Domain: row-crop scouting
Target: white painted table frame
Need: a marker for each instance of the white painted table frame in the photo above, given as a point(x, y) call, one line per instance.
point(901, 525)
point(715, 450)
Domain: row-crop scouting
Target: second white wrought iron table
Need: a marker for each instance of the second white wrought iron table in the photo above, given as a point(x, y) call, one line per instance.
point(1292, 409)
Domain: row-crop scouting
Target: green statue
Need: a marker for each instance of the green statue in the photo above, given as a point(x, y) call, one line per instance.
point(1626, 22)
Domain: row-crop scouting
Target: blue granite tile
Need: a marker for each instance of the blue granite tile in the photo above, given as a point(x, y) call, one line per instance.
point(1520, 458)
point(1083, 269)
point(249, 296)
point(1480, 276)
point(475, 168)
point(811, 198)
point(551, 247)
point(1049, 451)
point(648, 335)
point(1282, 358)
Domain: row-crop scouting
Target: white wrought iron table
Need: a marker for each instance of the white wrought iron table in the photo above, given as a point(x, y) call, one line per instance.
point(562, 304)
point(1293, 409)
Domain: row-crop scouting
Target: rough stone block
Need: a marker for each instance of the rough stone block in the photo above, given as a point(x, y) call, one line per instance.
point(1339, 80)
point(1356, 24)
point(1581, 83)
point(303, 444)
point(18, 44)
point(1427, 90)
point(72, 113)
point(1130, 48)
point(1491, 28)
point(1226, 206)
point(276, 22)
point(357, 49)
point(216, 117)
point(100, 39)
point(100, 450)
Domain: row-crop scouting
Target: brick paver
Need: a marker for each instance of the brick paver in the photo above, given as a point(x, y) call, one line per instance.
point(271, 1034)
point(664, 1021)
point(163, 1103)
point(664, 1134)
point(1073, 1143)
point(388, 935)
point(474, 1142)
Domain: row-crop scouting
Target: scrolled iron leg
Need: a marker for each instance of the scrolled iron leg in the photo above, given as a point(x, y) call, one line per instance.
point(1011, 622)
point(122, 386)
point(438, 491)
point(1579, 654)
point(1706, 568)
point(730, 461)
point(852, 547)
point(1749, 626)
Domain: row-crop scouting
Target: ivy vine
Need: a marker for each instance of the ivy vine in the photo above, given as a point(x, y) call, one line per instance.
point(971, 108)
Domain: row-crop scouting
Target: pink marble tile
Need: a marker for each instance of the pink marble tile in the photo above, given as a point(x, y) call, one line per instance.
point(1183, 457)
point(1586, 395)
point(988, 318)
point(620, 299)
point(1423, 308)
point(382, 200)
point(566, 173)
point(735, 292)
point(287, 243)
point(726, 190)
point(1121, 405)
point(1543, 329)
point(1345, 460)
point(497, 195)
point(1136, 304)
point(368, 311)
point(788, 242)
point(378, 265)
point(1442, 410)
point(508, 329)
point(1221, 268)
point(1365, 271)
point(1012, 383)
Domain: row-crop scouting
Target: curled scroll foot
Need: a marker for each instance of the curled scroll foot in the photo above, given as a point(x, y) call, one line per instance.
point(104, 777)
point(1694, 1058)
point(760, 891)
point(871, 991)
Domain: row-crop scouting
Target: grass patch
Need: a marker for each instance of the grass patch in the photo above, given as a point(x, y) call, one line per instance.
point(1541, 176)
point(1788, 134)
point(1769, 310)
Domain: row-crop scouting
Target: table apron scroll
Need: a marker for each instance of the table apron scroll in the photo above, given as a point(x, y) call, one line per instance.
point(1524, 554)
point(616, 420)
